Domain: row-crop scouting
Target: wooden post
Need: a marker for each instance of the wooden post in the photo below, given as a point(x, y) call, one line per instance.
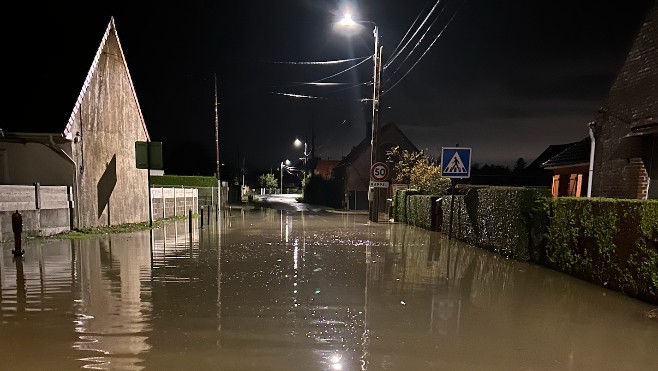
point(37, 195)
point(190, 224)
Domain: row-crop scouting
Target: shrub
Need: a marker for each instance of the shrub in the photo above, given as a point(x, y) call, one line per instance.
point(320, 191)
point(510, 221)
point(184, 180)
point(611, 242)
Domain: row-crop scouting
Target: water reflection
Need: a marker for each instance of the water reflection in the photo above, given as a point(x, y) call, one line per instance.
point(111, 317)
point(314, 291)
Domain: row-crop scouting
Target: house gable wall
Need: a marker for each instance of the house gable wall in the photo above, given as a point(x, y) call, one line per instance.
point(111, 190)
point(633, 97)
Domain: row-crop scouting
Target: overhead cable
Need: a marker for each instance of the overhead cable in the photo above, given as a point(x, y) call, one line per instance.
point(392, 59)
point(338, 61)
point(428, 48)
point(345, 70)
point(415, 46)
point(409, 30)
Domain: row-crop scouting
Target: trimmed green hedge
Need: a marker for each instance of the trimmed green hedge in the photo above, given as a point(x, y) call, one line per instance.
point(611, 242)
point(400, 204)
point(507, 220)
point(183, 180)
point(421, 210)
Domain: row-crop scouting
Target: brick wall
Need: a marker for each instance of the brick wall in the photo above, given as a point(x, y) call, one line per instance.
point(619, 170)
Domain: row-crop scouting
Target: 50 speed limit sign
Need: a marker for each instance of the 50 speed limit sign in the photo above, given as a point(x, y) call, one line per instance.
point(379, 171)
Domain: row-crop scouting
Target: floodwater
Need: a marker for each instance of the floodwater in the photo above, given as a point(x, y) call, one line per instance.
point(279, 290)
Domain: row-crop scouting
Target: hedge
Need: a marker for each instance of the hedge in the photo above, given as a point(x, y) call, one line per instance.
point(510, 221)
point(421, 210)
point(184, 180)
point(611, 242)
point(400, 204)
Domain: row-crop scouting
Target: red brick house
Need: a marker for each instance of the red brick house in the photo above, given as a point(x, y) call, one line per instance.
point(325, 168)
point(570, 169)
point(626, 128)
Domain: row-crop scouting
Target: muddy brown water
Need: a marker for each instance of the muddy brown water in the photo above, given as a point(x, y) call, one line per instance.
point(276, 290)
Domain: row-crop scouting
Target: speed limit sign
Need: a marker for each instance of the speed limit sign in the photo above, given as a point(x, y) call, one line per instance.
point(379, 171)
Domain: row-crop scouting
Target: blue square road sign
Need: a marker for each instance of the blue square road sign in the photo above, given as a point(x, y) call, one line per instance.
point(455, 162)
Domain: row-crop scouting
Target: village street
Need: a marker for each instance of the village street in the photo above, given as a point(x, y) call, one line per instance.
point(269, 289)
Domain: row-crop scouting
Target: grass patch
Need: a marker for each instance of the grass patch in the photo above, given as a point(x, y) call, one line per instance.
point(84, 233)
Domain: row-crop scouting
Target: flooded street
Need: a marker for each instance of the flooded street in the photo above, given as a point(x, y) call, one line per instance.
point(284, 290)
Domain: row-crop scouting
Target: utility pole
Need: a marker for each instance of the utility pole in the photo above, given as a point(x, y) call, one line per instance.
point(219, 182)
point(377, 71)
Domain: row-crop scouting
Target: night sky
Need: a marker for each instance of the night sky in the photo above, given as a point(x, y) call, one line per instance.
point(506, 78)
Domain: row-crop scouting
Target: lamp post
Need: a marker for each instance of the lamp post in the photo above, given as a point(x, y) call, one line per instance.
point(287, 162)
point(305, 158)
point(373, 204)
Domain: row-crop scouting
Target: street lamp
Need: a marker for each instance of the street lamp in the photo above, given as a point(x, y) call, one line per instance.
point(287, 162)
point(298, 143)
point(347, 21)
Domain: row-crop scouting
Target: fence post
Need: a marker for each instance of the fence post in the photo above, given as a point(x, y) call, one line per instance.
point(164, 203)
point(190, 224)
point(37, 195)
point(17, 227)
point(184, 199)
point(175, 213)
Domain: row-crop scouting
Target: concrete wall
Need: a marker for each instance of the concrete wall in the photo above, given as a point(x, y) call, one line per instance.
point(45, 209)
point(108, 121)
point(168, 202)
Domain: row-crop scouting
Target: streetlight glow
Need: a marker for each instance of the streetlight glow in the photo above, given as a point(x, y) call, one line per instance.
point(298, 143)
point(347, 21)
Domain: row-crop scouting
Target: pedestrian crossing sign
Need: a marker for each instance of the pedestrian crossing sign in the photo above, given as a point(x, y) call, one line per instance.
point(455, 162)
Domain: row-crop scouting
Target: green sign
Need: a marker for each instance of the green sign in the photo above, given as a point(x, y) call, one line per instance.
point(148, 155)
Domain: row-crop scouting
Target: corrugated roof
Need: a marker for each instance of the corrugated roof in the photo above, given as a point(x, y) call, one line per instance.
point(576, 154)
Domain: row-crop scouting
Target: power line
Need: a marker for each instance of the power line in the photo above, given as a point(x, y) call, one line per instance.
point(415, 46)
point(338, 61)
point(392, 59)
point(428, 48)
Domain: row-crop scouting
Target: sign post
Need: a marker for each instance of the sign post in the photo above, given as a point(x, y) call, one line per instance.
point(148, 155)
point(378, 174)
point(455, 164)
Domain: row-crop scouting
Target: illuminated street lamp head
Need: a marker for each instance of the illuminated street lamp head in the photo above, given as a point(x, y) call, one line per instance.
point(287, 162)
point(298, 142)
point(347, 21)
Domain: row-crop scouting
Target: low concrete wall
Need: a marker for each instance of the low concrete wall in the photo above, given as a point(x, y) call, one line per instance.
point(173, 201)
point(46, 210)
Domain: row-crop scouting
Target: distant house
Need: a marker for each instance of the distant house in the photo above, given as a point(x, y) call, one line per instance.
point(353, 172)
point(570, 169)
point(538, 175)
point(626, 129)
point(94, 153)
point(325, 168)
